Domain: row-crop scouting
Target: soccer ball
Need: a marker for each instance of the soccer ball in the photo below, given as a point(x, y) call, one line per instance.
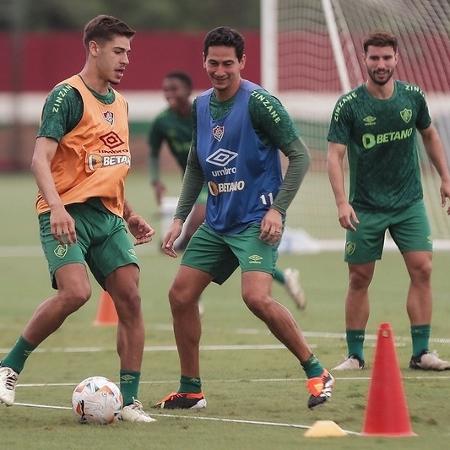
point(97, 400)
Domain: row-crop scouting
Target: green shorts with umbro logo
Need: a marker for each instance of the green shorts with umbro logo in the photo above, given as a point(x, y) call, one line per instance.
point(408, 227)
point(221, 254)
point(102, 243)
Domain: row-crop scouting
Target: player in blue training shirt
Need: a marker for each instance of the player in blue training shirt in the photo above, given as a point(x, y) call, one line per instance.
point(238, 129)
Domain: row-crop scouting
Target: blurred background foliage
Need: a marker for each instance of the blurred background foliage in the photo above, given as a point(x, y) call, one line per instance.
point(180, 15)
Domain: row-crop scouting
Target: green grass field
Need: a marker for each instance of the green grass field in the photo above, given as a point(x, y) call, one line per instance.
point(246, 382)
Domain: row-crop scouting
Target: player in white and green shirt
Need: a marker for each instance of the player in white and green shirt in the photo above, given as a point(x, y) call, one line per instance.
point(376, 125)
point(175, 126)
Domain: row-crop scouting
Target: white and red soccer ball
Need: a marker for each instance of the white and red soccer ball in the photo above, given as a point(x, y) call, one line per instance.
point(97, 400)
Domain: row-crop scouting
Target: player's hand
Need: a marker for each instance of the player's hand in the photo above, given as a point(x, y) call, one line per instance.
point(445, 194)
point(160, 190)
point(347, 216)
point(140, 229)
point(170, 237)
point(62, 225)
point(271, 227)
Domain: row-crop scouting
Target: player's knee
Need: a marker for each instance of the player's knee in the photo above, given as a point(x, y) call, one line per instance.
point(421, 272)
point(359, 280)
point(128, 306)
point(180, 296)
point(75, 297)
point(256, 302)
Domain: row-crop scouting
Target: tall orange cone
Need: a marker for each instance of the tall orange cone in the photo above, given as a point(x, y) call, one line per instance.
point(386, 411)
point(106, 312)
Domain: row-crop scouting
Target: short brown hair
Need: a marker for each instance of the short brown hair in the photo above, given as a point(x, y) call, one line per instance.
point(380, 39)
point(104, 28)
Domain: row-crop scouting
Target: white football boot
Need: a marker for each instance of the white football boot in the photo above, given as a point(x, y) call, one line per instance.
point(8, 381)
point(294, 288)
point(135, 413)
point(350, 363)
point(428, 361)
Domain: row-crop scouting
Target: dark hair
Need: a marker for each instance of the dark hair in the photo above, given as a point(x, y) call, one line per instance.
point(104, 28)
point(182, 76)
point(380, 39)
point(224, 36)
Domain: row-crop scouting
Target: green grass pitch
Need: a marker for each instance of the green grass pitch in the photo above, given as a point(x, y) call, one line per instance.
point(246, 382)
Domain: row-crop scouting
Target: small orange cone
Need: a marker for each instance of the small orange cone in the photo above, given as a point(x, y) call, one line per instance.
point(386, 411)
point(106, 312)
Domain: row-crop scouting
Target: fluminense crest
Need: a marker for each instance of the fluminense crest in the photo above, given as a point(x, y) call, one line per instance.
point(406, 114)
point(61, 250)
point(218, 132)
point(109, 117)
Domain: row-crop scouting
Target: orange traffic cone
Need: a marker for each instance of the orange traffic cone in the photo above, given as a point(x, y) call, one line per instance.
point(106, 312)
point(386, 411)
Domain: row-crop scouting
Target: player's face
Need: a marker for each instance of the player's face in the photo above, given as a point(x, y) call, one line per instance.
point(380, 63)
point(112, 58)
point(224, 70)
point(176, 93)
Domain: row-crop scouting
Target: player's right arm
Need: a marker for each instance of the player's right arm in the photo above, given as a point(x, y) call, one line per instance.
point(192, 185)
point(338, 137)
point(62, 224)
point(335, 166)
point(62, 111)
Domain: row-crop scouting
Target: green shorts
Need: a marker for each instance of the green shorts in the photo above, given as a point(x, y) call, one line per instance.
point(220, 254)
point(408, 227)
point(102, 241)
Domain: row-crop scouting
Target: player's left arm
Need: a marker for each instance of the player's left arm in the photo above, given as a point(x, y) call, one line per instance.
point(274, 126)
point(137, 225)
point(435, 150)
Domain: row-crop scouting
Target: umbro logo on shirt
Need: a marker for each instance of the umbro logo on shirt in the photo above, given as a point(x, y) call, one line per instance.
point(221, 157)
point(370, 120)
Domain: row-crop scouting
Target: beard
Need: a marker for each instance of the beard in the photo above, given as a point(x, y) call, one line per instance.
point(373, 77)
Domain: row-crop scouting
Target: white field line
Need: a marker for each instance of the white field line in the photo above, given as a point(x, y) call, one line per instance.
point(249, 422)
point(212, 419)
point(400, 342)
point(158, 348)
point(253, 380)
point(34, 405)
point(327, 335)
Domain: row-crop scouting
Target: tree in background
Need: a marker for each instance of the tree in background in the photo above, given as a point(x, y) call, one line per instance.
point(178, 15)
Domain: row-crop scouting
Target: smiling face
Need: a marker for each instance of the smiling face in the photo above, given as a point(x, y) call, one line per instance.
point(224, 70)
point(111, 57)
point(176, 92)
point(380, 63)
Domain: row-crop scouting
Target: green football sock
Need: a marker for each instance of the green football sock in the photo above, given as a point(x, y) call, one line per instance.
point(190, 384)
point(420, 335)
point(18, 355)
point(312, 367)
point(278, 275)
point(129, 385)
point(355, 343)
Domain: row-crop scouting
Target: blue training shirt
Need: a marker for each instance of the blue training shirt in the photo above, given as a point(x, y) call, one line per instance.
point(243, 174)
